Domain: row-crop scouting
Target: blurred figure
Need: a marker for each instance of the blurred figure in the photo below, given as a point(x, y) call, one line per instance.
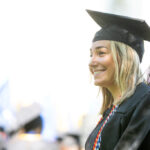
point(69, 142)
point(2, 139)
point(28, 136)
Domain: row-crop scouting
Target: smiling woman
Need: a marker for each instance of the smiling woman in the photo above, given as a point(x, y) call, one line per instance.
point(102, 64)
point(116, 53)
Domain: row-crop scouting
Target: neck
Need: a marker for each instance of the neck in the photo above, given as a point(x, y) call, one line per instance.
point(116, 93)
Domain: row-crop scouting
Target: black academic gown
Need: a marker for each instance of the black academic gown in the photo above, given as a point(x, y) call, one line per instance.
point(129, 127)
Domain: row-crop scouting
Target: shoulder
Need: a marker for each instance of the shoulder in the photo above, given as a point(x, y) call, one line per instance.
point(135, 123)
point(141, 95)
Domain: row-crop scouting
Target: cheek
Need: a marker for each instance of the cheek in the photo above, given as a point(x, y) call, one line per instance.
point(111, 68)
point(112, 71)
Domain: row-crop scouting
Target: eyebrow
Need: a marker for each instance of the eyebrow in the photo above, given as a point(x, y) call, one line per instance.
point(98, 47)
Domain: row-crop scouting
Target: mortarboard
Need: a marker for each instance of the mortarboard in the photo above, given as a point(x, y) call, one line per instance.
point(25, 116)
point(28, 113)
point(130, 31)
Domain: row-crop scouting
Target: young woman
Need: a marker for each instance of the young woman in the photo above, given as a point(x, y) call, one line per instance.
point(116, 52)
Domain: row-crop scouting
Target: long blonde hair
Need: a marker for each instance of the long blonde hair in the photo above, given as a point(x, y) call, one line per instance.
point(127, 73)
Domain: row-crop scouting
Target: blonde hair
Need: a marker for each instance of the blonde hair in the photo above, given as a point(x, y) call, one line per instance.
point(127, 73)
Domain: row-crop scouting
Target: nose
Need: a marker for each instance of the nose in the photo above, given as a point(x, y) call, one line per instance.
point(94, 61)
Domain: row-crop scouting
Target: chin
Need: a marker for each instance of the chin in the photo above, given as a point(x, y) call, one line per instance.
point(100, 84)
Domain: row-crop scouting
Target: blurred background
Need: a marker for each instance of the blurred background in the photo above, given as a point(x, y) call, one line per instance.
point(44, 55)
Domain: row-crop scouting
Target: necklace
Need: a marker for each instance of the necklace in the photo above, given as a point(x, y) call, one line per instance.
point(97, 142)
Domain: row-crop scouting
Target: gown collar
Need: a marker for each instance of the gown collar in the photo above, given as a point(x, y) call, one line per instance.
point(141, 90)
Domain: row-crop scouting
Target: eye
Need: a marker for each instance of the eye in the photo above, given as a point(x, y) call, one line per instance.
point(100, 53)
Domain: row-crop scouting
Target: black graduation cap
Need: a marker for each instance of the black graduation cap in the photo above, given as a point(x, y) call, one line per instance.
point(130, 31)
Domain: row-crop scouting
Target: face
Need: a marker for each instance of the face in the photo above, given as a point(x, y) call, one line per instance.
point(101, 64)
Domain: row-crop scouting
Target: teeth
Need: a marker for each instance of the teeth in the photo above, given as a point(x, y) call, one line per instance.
point(97, 72)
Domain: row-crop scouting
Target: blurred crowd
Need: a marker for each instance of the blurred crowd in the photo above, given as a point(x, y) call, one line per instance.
point(28, 134)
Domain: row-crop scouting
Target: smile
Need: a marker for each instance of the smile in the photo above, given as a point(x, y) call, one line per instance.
point(98, 72)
